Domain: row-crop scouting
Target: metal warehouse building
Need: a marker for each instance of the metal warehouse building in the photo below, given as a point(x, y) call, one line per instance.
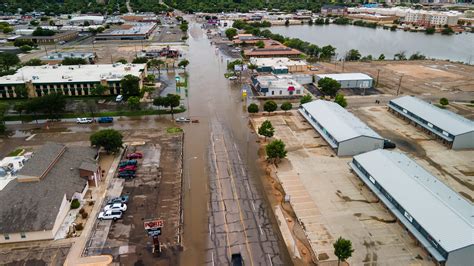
point(453, 129)
point(343, 131)
point(439, 218)
point(349, 80)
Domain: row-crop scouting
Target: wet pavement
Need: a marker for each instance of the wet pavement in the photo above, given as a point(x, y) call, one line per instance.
point(232, 224)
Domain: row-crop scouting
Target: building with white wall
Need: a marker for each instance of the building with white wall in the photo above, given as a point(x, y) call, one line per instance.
point(453, 129)
point(274, 64)
point(349, 80)
point(441, 220)
point(346, 134)
point(273, 86)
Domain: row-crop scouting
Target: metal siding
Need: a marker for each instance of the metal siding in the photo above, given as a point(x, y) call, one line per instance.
point(464, 141)
point(461, 257)
point(359, 145)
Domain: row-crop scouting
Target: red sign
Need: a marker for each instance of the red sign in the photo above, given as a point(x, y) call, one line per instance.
point(153, 224)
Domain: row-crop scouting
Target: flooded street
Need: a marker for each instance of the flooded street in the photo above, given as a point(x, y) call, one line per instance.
point(214, 101)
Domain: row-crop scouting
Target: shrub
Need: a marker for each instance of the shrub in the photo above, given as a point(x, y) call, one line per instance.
point(84, 215)
point(75, 204)
point(91, 203)
point(79, 227)
point(443, 101)
point(81, 211)
point(252, 108)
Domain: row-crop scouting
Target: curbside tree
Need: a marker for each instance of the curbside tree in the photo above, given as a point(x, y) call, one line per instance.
point(109, 139)
point(342, 249)
point(266, 129)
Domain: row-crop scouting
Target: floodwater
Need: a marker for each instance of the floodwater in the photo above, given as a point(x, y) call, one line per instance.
point(458, 47)
point(212, 99)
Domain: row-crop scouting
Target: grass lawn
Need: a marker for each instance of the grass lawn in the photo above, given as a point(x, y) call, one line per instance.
point(15, 152)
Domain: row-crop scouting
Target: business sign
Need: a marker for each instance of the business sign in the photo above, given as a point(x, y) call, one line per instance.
point(153, 227)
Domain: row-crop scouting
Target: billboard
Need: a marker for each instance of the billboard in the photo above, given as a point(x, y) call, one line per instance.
point(153, 227)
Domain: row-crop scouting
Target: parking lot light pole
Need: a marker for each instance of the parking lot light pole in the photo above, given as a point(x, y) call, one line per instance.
point(187, 171)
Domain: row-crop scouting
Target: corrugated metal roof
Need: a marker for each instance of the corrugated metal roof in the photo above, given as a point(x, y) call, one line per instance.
point(339, 122)
point(346, 76)
point(443, 213)
point(444, 119)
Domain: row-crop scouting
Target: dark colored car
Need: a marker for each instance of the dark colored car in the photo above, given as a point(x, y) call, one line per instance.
point(387, 144)
point(135, 155)
point(236, 260)
point(106, 119)
point(121, 199)
point(126, 175)
point(128, 168)
point(128, 162)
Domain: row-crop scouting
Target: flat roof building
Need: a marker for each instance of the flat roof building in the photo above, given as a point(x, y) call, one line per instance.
point(349, 80)
point(273, 86)
point(343, 131)
point(75, 80)
point(57, 57)
point(276, 64)
point(438, 217)
point(451, 128)
point(134, 31)
point(272, 49)
point(92, 20)
point(58, 37)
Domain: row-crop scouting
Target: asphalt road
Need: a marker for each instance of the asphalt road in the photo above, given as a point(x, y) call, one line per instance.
point(238, 221)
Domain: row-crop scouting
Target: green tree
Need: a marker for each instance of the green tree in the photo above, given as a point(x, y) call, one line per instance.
point(86, 24)
point(329, 86)
point(134, 103)
point(99, 90)
point(230, 33)
point(353, 55)
point(430, 30)
point(232, 64)
point(447, 31)
point(21, 91)
point(150, 78)
point(382, 57)
point(260, 44)
point(122, 60)
point(7, 30)
point(270, 106)
point(400, 56)
point(69, 61)
point(20, 107)
point(287, 22)
point(266, 129)
point(342, 249)
point(109, 139)
point(306, 99)
point(286, 106)
point(34, 23)
point(25, 48)
point(252, 108)
point(140, 60)
point(417, 56)
point(171, 100)
point(275, 151)
point(52, 104)
point(34, 62)
point(8, 60)
point(43, 32)
point(183, 63)
point(184, 27)
point(327, 52)
point(130, 85)
point(156, 64)
point(443, 101)
point(341, 100)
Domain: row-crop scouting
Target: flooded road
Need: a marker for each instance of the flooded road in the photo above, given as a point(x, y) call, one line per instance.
point(213, 100)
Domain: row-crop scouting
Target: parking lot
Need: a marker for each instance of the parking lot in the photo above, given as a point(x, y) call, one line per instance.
point(330, 201)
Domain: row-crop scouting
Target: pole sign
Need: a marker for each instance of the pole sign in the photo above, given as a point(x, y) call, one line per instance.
point(153, 227)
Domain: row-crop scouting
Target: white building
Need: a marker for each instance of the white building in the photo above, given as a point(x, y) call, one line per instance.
point(439, 218)
point(451, 128)
point(274, 64)
point(349, 80)
point(92, 20)
point(343, 131)
point(272, 86)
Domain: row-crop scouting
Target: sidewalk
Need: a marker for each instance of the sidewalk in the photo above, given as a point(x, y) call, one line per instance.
point(75, 253)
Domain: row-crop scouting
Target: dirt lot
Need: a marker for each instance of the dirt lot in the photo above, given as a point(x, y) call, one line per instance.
point(154, 193)
point(441, 78)
point(455, 168)
point(330, 201)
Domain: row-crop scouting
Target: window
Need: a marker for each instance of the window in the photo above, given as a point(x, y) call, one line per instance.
point(298, 91)
point(6, 236)
point(408, 216)
point(273, 92)
point(371, 179)
point(281, 92)
point(23, 235)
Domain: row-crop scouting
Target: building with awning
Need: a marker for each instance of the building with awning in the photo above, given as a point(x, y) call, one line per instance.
point(273, 86)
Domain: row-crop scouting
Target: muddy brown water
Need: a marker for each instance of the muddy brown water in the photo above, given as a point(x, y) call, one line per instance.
point(211, 98)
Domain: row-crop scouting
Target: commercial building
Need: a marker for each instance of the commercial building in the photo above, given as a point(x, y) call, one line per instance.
point(273, 86)
point(69, 80)
point(346, 134)
point(432, 18)
point(439, 218)
point(242, 39)
point(64, 36)
point(332, 10)
point(34, 205)
point(272, 49)
point(453, 129)
point(135, 31)
point(57, 57)
point(145, 17)
point(349, 80)
point(278, 65)
point(84, 20)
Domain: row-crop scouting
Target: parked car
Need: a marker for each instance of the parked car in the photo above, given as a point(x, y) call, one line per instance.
point(116, 207)
point(387, 144)
point(128, 168)
point(127, 162)
point(135, 155)
point(236, 260)
point(121, 199)
point(126, 175)
point(84, 120)
point(110, 215)
point(119, 98)
point(233, 78)
point(183, 119)
point(105, 119)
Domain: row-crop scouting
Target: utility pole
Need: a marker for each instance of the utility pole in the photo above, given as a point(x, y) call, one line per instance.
point(378, 73)
point(343, 60)
point(399, 84)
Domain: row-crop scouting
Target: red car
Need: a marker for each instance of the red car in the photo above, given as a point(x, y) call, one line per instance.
point(135, 155)
point(128, 168)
